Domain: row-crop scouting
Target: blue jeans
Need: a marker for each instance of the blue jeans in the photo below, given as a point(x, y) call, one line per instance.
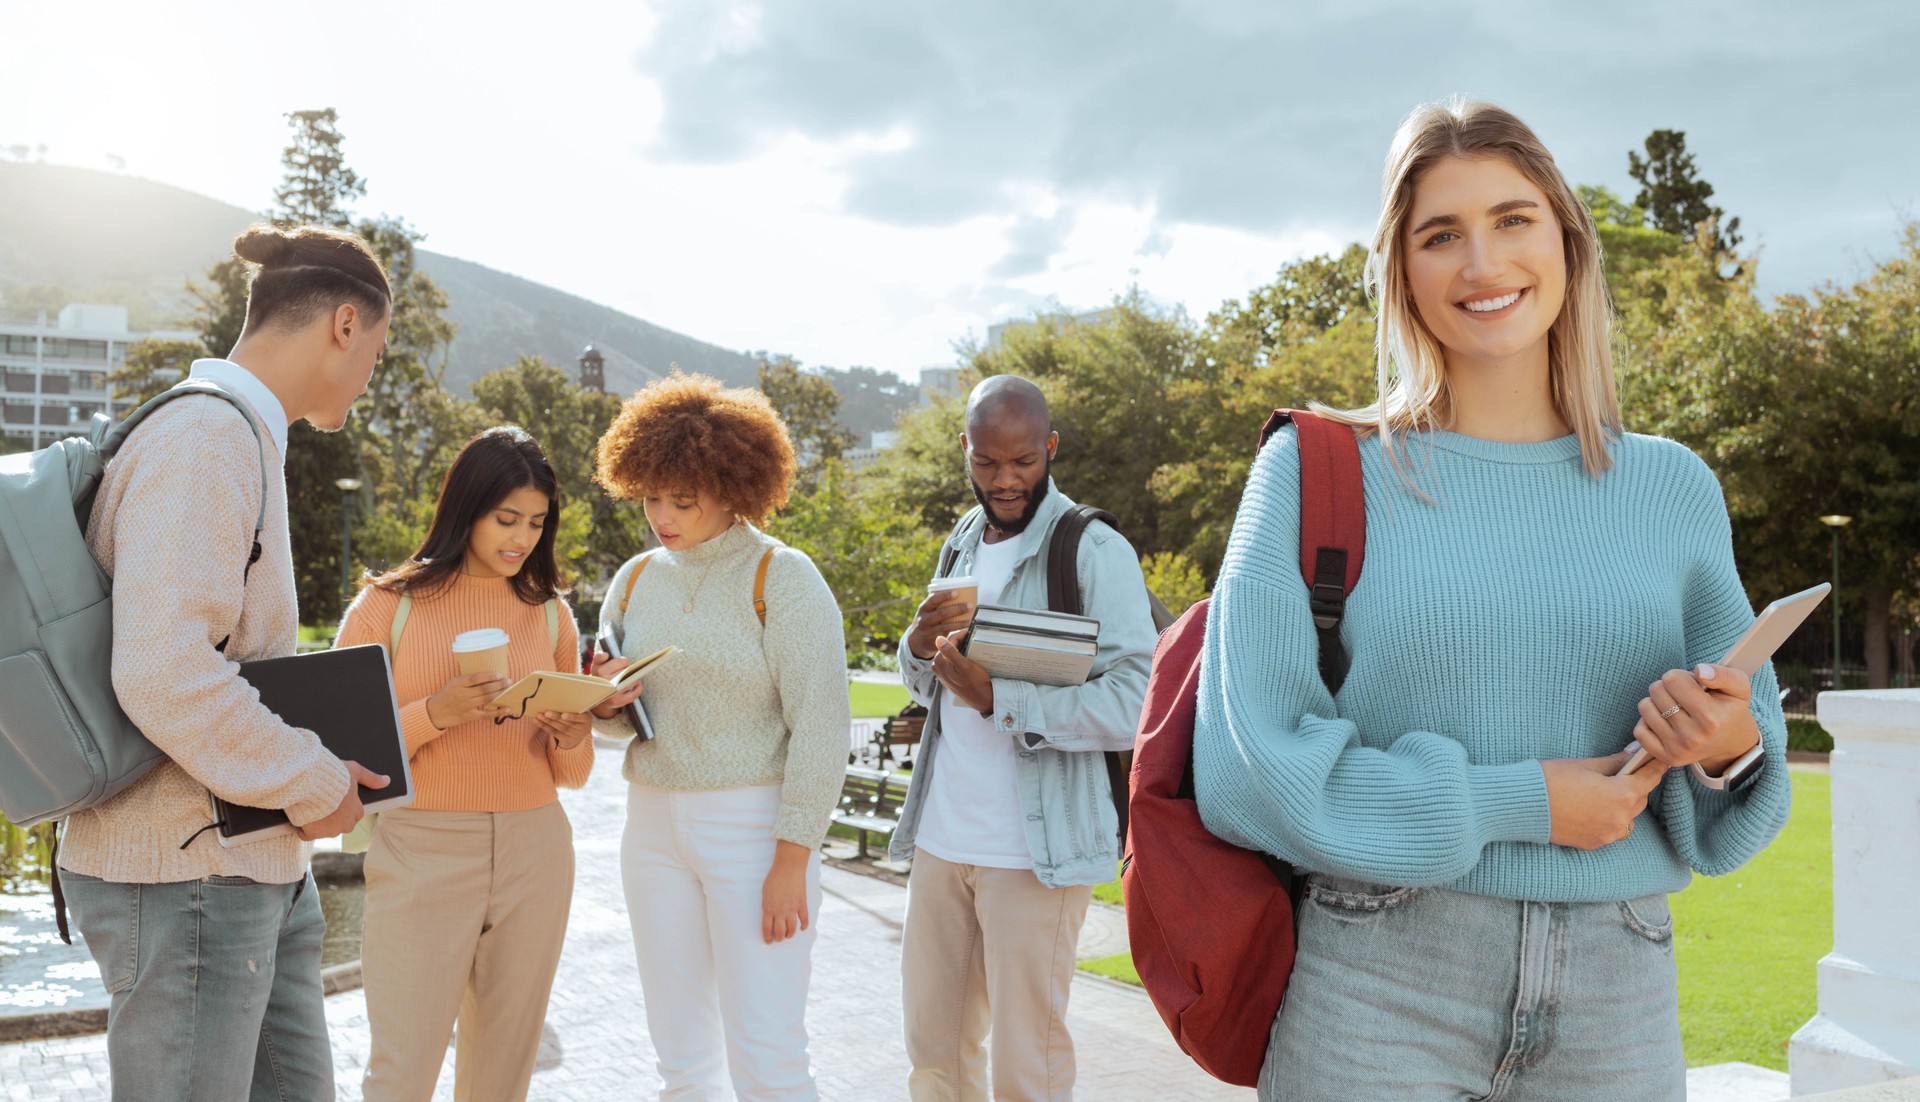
point(215, 985)
point(1423, 994)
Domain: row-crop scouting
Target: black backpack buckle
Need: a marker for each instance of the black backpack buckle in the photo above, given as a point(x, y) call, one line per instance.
point(1329, 604)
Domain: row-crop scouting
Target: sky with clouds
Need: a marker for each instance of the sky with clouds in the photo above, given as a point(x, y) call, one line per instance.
point(855, 182)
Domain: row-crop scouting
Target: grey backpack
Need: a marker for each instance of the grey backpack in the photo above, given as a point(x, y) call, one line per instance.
point(65, 745)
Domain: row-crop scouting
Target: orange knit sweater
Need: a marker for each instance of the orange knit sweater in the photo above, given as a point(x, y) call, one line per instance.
point(473, 766)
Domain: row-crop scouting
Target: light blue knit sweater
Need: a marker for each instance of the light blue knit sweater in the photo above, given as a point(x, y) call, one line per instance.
point(1519, 616)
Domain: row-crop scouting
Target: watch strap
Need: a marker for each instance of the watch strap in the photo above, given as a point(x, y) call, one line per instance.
point(1733, 774)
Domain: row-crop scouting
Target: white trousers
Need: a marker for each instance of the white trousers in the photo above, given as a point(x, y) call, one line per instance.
point(719, 999)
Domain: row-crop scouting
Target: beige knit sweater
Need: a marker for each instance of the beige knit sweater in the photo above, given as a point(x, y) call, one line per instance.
point(173, 525)
point(740, 704)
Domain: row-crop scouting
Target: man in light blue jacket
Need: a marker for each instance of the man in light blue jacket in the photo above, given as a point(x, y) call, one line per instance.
point(1010, 819)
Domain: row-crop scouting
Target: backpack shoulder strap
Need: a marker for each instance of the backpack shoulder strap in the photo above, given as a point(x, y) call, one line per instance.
point(638, 565)
point(107, 440)
point(760, 586)
point(1063, 556)
point(400, 614)
point(1333, 526)
point(553, 622)
point(952, 552)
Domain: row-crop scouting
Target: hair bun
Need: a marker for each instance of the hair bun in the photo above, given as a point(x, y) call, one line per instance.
point(264, 245)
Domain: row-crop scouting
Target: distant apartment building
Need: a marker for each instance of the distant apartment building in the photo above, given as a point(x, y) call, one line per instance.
point(997, 334)
point(938, 381)
point(861, 458)
point(54, 375)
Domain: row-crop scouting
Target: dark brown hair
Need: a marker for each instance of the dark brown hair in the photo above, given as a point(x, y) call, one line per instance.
point(689, 434)
point(492, 465)
point(307, 270)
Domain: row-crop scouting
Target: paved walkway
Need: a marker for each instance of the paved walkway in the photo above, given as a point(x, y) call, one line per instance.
point(597, 1048)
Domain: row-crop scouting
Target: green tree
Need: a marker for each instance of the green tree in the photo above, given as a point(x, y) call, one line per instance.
point(13, 445)
point(1627, 243)
point(1305, 337)
point(597, 534)
point(1675, 197)
point(811, 409)
point(1802, 410)
point(875, 557)
point(316, 185)
point(151, 367)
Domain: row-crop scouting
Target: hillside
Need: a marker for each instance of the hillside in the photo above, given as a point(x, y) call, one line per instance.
point(77, 235)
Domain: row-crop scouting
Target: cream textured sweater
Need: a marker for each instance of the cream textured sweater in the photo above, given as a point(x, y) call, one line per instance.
point(173, 525)
point(477, 766)
point(740, 704)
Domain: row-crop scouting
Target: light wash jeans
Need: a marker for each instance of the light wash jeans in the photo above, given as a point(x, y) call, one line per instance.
point(215, 985)
point(1423, 994)
point(719, 999)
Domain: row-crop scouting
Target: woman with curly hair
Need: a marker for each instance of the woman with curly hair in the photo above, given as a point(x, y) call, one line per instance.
point(730, 799)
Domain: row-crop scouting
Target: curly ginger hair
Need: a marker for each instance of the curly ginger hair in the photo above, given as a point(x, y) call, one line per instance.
point(690, 434)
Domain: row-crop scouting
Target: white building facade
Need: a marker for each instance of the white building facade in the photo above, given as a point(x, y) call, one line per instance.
point(53, 374)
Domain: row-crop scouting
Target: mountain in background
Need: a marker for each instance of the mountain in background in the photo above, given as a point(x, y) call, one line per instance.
point(79, 235)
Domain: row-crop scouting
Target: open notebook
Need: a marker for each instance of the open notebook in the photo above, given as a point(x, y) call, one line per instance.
point(546, 691)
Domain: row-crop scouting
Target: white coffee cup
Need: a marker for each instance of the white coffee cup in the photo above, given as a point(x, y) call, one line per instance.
point(483, 650)
point(964, 585)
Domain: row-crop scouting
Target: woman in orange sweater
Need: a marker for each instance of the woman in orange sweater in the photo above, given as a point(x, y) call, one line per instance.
point(468, 889)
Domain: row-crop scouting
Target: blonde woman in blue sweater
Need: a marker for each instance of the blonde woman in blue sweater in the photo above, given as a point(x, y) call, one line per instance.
point(1486, 911)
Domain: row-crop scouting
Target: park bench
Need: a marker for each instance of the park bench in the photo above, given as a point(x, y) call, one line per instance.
point(900, 732)
point(870, 802)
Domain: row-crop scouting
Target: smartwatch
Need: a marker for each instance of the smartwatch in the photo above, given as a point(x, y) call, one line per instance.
point(1738, 770)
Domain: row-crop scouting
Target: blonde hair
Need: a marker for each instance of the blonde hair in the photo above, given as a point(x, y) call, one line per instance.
point(1410, 363)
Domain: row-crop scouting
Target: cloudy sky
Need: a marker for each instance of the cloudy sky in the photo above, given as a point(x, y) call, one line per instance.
point(868, 182)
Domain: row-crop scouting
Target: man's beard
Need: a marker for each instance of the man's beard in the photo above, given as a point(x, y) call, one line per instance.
point(1034, 497)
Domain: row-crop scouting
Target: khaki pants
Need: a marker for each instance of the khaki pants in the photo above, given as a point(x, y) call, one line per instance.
point(987, 948)
point(466, 914)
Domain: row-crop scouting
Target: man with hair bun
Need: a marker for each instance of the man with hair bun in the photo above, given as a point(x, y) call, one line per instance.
point(212, 954)
point(1009, 820)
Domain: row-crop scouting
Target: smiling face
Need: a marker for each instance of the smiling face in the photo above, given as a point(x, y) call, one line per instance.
point(683, 520)
point(506, 534)
point(1486, 262)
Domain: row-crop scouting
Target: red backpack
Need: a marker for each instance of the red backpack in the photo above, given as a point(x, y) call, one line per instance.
point(1211, 924)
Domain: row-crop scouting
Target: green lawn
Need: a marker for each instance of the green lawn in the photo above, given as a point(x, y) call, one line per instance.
point(1746, 944)
point(872, 701)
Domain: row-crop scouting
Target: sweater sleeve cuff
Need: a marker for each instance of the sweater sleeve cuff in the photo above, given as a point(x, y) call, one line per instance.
point(801, 826)
point(1510, 802)
point(416, 727)
point(327, 788)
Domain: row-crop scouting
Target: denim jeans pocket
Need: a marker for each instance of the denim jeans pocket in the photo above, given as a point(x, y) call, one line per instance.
point(230, 882)
point(1356, 900)
point(108, 918)
point(1649, 917)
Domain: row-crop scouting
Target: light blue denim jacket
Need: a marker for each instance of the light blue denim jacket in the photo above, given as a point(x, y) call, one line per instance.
point(1059, 731)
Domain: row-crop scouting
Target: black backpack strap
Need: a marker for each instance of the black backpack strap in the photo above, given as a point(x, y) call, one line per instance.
point(951, 552)
point(1063, 595)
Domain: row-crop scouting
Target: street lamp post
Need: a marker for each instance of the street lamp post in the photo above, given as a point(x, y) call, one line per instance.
point(347, 488)
point(1835, 522)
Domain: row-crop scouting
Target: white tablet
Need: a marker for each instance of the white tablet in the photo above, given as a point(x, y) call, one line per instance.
point(1757, 644)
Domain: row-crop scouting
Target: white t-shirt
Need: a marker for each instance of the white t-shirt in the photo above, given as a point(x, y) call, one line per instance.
point(973, 816)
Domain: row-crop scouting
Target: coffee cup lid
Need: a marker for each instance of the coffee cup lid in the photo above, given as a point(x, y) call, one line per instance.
point(479, 639)
point(941, 585)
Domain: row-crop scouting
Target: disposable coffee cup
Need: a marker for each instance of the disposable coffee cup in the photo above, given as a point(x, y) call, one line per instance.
point(964, 585)
point(481, 651)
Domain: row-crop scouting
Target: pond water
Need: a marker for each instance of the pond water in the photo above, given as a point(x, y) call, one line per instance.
point(40, 973)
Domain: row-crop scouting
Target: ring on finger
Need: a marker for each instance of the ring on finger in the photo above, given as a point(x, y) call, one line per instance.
point(1670, 712)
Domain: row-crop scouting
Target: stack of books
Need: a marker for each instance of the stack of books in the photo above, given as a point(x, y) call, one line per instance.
point(1032, 645)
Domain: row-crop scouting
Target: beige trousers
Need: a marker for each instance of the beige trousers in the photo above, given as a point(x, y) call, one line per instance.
point(988, 949)
point(466, 914)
